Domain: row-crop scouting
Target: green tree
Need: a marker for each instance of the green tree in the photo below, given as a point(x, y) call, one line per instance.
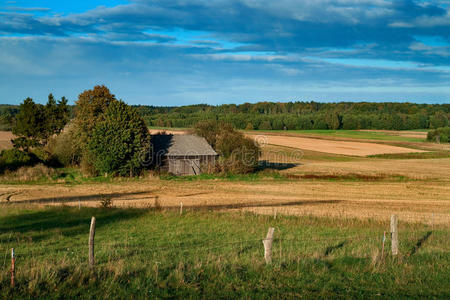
point(89, 111)
point(29, 125)
point(56, 116)
point(265, 125)
point(120, 142)
point(439, 119)
point(249, 126)
point(237, 153)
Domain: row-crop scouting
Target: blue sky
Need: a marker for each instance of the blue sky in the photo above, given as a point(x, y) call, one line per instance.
point(215, 51)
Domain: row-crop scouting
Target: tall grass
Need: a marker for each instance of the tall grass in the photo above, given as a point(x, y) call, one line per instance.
point(158, 254)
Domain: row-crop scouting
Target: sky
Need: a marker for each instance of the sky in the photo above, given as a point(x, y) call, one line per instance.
point(179, 52)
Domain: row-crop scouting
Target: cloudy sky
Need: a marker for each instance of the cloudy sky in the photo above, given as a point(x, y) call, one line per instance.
point(175, 52)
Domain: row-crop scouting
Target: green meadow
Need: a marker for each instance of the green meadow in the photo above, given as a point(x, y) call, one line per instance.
point(154, 253)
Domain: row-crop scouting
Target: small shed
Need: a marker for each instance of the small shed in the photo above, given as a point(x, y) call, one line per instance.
point(182, 154)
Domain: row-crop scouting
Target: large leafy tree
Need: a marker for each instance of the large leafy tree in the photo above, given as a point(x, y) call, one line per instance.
point(90, 109)
point(120, 142)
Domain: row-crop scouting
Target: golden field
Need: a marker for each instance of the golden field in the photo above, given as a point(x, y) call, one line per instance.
point(311, 183)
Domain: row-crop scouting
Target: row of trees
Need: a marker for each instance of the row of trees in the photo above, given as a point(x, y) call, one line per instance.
point(290, 116)
point(321, 120)
point(298, 108)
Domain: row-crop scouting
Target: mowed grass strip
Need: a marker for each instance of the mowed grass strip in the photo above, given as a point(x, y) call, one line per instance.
point(159, 254)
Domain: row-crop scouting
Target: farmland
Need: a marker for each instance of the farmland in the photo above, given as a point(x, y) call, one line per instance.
point(329, 210)
point(292, 181)
point(152, 253)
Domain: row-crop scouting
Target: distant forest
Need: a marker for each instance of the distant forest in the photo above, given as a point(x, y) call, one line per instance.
point(290, 115)
point(304, 115)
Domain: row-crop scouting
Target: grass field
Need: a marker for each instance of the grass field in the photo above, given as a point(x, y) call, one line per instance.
point(160, 254)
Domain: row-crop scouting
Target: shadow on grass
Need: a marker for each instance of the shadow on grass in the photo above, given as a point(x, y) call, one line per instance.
point(267, 165)
point(334, 247)
point(420, 242)
point(66, 221)
point(251, 205)
point(71, 199)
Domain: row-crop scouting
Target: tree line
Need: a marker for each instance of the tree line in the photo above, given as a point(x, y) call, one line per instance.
point(287, 116)
point(304, 115)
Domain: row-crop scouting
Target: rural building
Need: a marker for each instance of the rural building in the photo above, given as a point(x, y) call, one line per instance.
point(182, 154)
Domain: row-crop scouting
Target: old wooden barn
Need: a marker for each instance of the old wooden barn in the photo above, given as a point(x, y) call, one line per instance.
point(183, 154)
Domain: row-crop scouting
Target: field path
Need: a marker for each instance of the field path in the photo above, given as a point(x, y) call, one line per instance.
point(330, 146)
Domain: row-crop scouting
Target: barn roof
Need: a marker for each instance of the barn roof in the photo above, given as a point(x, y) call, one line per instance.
point(181, 145)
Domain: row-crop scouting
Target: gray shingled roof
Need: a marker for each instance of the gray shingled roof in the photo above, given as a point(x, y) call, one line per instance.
point(181, 144)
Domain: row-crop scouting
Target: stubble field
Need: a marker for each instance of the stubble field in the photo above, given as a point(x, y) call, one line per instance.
point(292, 181)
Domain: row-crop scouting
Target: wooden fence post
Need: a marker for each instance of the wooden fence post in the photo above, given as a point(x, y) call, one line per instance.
point(91, 243)
point(267, 242)
point(13, 267)
point(181, 208)
point(394, 234)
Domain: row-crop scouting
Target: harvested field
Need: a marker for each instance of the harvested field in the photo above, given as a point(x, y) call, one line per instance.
point(413, 201)
point(5, 139)
point(404, 133)
point(330, 146)
point(417, 169)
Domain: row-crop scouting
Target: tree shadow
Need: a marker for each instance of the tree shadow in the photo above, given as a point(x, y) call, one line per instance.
point(330, 249)
point(267, 165)
point(70, 199)
point(67, 221)
point(253, 204)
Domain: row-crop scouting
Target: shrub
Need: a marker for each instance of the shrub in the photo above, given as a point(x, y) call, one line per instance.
point(439, 135)
point(211, 129)
point(12, 159)
point(64, 149)
point(30, 173)
point(120, 142)
point(237, 153)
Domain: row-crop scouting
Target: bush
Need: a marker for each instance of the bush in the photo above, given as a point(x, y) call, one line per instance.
point(64, 149)
point(30, 173)
point(11, 159)
point(237, 153)
point(120, 142)
point(439, 135)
